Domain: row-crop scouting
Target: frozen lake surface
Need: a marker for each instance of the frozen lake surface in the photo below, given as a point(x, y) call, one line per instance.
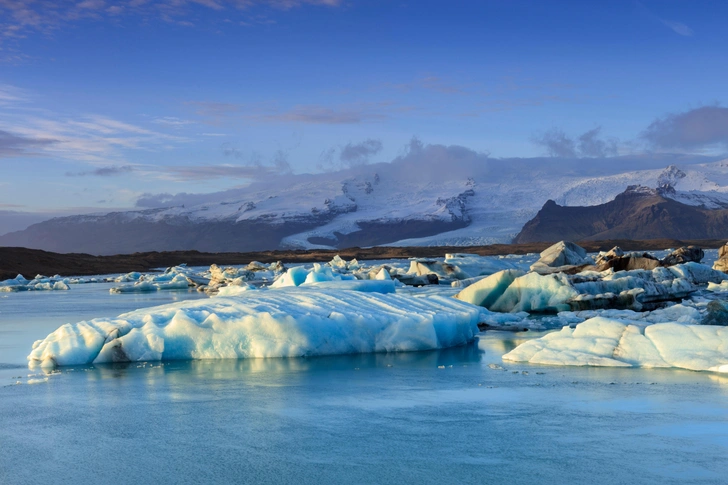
point(451, 416)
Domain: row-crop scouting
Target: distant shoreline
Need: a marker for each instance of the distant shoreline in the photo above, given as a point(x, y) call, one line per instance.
point(29, 262)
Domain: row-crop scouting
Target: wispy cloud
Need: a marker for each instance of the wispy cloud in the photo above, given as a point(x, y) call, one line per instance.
point(206, 172)
point(342, 114)
point(434, 83)
point(587, 145)
point(172, 121)
point(89, 138)
point(213, 111)
point(678, 27)
point(14, 145)
point(312, 114)
point(11, 94)
point(108, 171)
point(350, 155)
point(20, 18)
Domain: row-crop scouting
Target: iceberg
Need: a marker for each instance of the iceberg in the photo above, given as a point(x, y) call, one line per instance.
point(485, 292)
point(287, 322)
point(178, 282)
point(39, 283)
point(609, 342)
point(510, 291)
point(298, 275)
point(562, 256)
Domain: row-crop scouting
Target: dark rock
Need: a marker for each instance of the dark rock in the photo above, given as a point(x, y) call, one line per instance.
point(418, 280)
point(684, 254)
point(615, 252)
point(626, 263)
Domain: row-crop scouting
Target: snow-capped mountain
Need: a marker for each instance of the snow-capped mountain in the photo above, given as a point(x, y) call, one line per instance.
point(433, 195)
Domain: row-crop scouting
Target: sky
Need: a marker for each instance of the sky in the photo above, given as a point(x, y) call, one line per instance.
point(104, 103)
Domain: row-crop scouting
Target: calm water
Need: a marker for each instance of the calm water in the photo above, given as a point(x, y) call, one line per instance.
point(430, 417)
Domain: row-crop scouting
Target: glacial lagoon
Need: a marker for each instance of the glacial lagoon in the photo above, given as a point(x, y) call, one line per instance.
point(458, 415)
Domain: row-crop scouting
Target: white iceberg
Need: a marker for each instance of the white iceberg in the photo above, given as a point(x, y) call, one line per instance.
point(289, 322)
point(607, 342)
point(39, 283)
point(177, 282)
point(298, 275)
point(561, 256)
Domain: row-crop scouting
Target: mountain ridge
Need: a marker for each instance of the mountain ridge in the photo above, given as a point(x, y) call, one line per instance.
point(637, 212)
point(433, 196)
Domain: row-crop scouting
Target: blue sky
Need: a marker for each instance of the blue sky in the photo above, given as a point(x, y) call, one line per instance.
point(103, 101)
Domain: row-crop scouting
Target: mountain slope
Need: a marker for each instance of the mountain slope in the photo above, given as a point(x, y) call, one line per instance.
point(432, 196)
point(638, 213)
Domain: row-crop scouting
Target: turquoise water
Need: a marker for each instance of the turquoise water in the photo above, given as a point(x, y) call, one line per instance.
point(449, 416)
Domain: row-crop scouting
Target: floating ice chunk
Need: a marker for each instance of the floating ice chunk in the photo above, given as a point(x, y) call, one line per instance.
point(383, 275)
point(486, 291)
point(718, 287)
point(234, 290)
point(299, 275)
point(39, 283)
point(466, 282)
point(342, 266)
point(293, 277)
point(698, 274)
point(286, 322)
point(560, 256)
point(424, 267)
point(178, 282)
point(604, 342)
point(533, 292)
point(128, 278)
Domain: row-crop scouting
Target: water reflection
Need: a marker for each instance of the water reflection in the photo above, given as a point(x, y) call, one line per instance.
point(230, 368)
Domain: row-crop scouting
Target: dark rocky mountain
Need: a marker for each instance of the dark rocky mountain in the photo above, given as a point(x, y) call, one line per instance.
point(637, 213)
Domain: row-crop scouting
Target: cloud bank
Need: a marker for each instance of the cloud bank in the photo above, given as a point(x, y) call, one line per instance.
point(698, 129)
